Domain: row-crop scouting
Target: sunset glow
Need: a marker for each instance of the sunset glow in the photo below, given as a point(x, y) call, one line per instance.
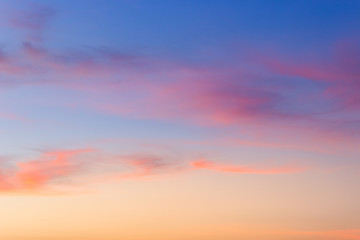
point(180, 119)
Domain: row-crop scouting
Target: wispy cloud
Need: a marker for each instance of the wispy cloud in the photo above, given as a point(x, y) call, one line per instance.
point(338, 69)
point(66, 171)
point(40, 174)
point(63, 171)
point(141, 166)
point(243, 169)
point(33, 20)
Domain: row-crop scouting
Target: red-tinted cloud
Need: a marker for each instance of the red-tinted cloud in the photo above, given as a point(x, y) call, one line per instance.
point(40, 174)
point(60, 171)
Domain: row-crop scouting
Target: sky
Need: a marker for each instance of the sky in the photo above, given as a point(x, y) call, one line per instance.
point(182, 119)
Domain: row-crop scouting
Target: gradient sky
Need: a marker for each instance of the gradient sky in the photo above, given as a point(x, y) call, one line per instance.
point(182, 119)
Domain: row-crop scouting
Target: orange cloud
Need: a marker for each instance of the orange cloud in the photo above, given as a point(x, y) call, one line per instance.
point(219, 167)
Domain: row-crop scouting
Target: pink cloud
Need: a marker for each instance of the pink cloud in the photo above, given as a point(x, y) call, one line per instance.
point(220, 167)
point(137, 87)
point(70, 170)
point(339, 70)
point(115, 83)
point(40, 174)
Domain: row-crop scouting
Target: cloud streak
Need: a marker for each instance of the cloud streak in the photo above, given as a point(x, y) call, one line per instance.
point(33, 20)
point(242, 169)
point(141, 166)
point(66, 171)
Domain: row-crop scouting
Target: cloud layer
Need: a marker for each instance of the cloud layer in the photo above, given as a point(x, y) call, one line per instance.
point(276, 101)
point(269, 90)
point(63, 171)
